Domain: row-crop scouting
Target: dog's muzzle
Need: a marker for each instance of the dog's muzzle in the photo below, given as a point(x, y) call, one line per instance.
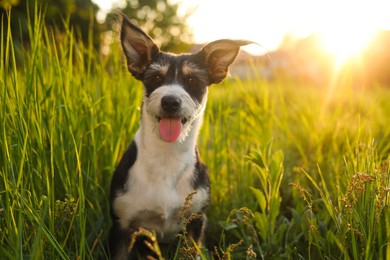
point(170, 122)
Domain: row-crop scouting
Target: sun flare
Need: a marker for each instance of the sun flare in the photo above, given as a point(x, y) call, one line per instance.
point(347, 31)
point(345, 45)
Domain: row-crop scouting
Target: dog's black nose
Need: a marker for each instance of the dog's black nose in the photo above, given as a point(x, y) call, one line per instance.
point(171, 103)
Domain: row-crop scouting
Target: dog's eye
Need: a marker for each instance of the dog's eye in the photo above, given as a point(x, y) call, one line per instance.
point(192, 80)
point(157, 78)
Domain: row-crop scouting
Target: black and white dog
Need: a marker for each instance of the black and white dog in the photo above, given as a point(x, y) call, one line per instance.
point(161, 167)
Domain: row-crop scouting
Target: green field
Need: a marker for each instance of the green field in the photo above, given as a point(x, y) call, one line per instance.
point(297, 171)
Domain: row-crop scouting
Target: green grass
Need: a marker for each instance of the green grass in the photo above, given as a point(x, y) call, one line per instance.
point(297, 171)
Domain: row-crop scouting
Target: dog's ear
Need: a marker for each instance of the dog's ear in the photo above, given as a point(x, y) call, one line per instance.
point(218, 56)
point(138, 47)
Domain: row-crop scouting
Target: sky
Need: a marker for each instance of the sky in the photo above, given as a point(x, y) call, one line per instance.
point(344, 25)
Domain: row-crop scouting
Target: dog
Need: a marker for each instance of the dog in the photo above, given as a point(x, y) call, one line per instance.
point(161, 167)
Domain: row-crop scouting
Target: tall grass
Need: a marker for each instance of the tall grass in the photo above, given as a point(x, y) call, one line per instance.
point(297, 171)
point(66, 118)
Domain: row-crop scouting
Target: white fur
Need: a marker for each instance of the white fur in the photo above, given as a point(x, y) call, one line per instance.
point(160, 179)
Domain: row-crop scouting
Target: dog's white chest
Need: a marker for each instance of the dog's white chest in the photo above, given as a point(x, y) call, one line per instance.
point(155, 195)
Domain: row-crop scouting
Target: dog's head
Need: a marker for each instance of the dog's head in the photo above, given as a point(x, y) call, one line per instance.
point(175, 85)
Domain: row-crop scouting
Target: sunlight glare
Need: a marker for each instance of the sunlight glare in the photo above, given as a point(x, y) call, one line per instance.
point(347, 31)
point(345, 45)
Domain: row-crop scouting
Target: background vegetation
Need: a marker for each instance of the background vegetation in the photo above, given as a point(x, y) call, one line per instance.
point(297, 171)
point(159, 18)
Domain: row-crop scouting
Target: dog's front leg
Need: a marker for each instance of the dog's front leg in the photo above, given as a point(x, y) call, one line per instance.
point(195, 228)
point(119, 241)
point(122, 245)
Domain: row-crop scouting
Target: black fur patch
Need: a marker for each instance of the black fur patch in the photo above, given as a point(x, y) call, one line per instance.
point(121, 173)
point(201, 178)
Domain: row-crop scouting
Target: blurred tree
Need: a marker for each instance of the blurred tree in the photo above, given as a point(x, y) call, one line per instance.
point(162, 21)
point(159, 18)
point(76, 14)
point(6, 4)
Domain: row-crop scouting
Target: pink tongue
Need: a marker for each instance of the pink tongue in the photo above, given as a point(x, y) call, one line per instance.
point(170, 129)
